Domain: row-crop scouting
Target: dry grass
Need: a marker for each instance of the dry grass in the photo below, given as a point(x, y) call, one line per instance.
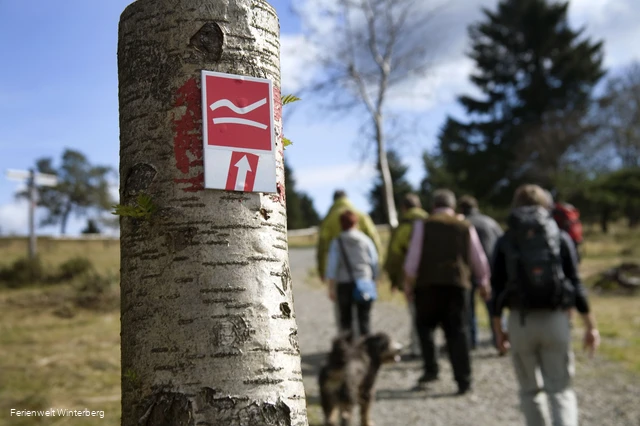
point(104, 254)
point(51, 362)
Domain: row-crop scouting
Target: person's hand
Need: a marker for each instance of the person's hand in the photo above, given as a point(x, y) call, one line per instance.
point(485, 292)
point(332, 293)
point(394, 289)
point(591, 341)
point(502, 341)
point(408, 292)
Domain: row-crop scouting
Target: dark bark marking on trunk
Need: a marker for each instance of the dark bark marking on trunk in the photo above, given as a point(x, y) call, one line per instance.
point(230, 334)
point(285, 309)
point(184, 199)
point(216, 243)
point(139, 178)
point(214, 301)
point(263, 259)
point(293, 340)
point(230, 263)
point(183, 238)
point(282, 293)
point(208, 42)
point(265, 214)
point(269, 370)
point(167, 409)
point(148, 58)
point(170, 296)
point(223, 290)
point(262, 381)
point(226, 355)
point(151, 276)
point(238, 305)
point(286, 276)
point(253, 414)
point(235, 196)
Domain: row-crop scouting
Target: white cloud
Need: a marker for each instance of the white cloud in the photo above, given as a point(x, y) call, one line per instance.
point(297, 62)
point(614, 21)
point(14, 217)
point(334, 175)
point(441, 85)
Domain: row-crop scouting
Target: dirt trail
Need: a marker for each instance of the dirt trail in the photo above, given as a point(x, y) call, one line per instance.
point(607, 395)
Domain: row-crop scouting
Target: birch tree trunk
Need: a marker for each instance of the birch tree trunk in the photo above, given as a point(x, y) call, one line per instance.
point(208, 327)
point(385, 173)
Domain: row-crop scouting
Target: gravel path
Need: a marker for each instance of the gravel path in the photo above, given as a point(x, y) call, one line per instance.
point(607, 395)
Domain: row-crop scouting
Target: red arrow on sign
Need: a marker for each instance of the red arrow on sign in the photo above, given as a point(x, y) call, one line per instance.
point(242, 171)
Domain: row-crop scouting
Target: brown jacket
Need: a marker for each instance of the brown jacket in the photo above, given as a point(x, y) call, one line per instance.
point(445, 252)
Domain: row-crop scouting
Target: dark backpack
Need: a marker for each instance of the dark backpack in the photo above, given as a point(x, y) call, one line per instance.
point(534, 267)
point(568, 219)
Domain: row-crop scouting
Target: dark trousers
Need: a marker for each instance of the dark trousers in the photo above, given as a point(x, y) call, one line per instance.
point(473, 320)
point(445, 306)
point(344, 292)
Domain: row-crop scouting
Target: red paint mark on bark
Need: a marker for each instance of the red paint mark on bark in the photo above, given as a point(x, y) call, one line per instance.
point(280, 196)
point(187, 141)
point(277, 104)
point(195, 183)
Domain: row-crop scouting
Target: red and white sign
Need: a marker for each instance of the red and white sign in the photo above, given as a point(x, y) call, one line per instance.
point(238, 133)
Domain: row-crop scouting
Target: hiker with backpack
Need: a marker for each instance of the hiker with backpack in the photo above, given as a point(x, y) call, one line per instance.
point(444, 253)
point(330, 228)
point(352, 271)
point(535, 274)
point(411, 210)
point(488, 231)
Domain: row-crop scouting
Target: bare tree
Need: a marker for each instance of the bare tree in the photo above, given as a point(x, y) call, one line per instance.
point(366, 50)
point(618, 116)
point(208, 328)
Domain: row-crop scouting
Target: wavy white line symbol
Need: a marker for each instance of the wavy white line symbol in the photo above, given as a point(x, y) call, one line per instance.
point(238, 110)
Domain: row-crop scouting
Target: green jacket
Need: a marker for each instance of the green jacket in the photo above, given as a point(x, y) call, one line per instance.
point(330, 228)
point(399, 244)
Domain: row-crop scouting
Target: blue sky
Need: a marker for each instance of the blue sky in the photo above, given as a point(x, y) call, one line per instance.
point(58, 88)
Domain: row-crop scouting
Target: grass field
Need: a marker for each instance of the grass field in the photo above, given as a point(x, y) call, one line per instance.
point(55, 354)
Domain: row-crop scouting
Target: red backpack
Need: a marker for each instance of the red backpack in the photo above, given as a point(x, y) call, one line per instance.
point(568, 219)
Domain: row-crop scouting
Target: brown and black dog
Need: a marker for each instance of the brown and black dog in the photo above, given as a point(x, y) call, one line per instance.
point(349, 376)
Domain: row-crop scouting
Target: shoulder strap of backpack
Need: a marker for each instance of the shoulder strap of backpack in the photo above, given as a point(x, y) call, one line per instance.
point(343, 253)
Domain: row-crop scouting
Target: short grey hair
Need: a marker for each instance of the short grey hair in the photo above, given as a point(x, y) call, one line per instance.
point(530, 195)
point(444, 198)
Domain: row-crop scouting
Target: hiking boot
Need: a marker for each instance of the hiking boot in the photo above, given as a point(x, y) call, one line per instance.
point(412, 356)
point(427, 378)
point(464, 389)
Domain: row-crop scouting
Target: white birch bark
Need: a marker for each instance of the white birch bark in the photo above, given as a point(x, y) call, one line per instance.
point(208, 327)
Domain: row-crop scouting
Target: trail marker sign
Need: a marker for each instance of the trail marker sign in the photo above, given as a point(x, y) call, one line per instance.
point(238, 133)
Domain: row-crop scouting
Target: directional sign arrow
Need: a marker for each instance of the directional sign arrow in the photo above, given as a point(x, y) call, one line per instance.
point(242, 171)
point(243, 167)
